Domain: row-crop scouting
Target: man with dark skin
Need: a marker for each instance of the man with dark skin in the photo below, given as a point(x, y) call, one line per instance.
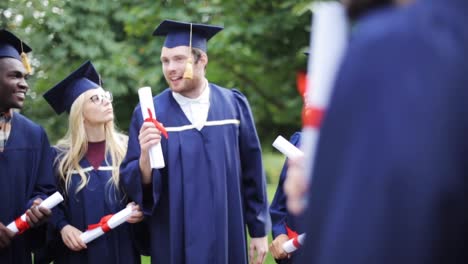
point(25, 160)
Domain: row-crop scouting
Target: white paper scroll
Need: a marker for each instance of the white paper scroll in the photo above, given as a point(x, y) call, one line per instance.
point(293, 244)
point(329, 39)
point(48, 203)
point(146, 102)
point(117, 219)
point(287, 148)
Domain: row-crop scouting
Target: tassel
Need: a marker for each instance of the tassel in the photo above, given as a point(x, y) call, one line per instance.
point(188, 73)
point(25, 61)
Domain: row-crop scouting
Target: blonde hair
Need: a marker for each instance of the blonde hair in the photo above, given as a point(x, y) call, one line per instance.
point(74, 145)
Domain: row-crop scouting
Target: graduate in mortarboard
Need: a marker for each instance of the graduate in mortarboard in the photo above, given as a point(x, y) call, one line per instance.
point(391, 177)
point(213, 185)
point(25, 157)
point(87, 171)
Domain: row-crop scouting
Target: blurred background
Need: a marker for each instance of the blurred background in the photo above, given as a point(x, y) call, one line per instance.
point(260, 52)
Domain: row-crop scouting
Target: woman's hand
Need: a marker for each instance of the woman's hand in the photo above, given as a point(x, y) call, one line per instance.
point(71, 238)
point(137, 215)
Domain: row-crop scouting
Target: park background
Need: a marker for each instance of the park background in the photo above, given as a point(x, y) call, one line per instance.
point(260, 52)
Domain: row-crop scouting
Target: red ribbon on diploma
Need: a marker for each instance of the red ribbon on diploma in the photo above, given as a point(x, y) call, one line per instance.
point(312, 116)
point(21, 225)
point(102, 224)
point(292, 234)
point(158, 125)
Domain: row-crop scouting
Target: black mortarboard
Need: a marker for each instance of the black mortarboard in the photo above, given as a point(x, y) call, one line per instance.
point(63, 94)
point(178, 33)
point(12, 47)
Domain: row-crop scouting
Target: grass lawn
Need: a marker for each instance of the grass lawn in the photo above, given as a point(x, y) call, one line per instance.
point(271, 192)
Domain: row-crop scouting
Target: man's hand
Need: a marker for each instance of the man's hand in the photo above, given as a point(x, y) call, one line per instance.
point(295, 186)
point(5, 236)
point(137, 215)
point(71, 238)
point(276, 247)
point(259, 245)
point(37, 215)
point(149, 136)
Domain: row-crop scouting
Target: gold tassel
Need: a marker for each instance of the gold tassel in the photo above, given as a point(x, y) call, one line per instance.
point(25, 61)
point(188, 73)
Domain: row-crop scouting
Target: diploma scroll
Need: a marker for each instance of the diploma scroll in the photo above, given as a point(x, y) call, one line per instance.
point(329, 38)
point(288, 149)
point(146, 104)
point(293, 244)
point(20, 224)
point(106, 224)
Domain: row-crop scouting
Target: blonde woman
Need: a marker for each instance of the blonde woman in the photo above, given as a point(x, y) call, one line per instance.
point(87, 167)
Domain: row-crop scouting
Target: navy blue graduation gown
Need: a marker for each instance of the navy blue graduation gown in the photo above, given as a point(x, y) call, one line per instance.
point(280, 218)
point(212, 186)
point(391, 177)
point(25, 174)
point(88, 206)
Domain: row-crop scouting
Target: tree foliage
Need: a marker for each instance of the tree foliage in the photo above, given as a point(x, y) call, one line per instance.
point(259, 51)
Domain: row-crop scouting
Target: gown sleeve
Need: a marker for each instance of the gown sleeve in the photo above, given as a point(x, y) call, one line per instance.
point(43, 187)
point(253, 175)
point(59, 215)
point(45, 184)
point(130, 170)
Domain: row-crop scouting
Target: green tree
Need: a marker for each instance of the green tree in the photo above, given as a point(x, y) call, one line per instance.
point(259, 52)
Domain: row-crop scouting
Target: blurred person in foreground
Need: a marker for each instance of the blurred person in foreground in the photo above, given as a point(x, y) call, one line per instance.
point(390, 178)
point(296, 185)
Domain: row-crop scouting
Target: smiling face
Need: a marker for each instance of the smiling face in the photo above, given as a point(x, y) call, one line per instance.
point(13, 86)
point(97, 108)
point(173, 63)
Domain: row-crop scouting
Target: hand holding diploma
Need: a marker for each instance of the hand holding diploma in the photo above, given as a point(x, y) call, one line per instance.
point(149, 116)
point(294, 243)
point(137, 215)
point(106, 224)
point(5, 236)
point(36, 215)
point(71, 238)
point(276, 247)
point(329, 38)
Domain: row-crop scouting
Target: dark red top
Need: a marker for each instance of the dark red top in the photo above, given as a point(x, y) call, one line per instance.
point(96, 153)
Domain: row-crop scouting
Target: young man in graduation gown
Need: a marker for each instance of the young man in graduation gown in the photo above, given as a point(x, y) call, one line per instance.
point(213, 184)
point(25, 159)
point(391, 172)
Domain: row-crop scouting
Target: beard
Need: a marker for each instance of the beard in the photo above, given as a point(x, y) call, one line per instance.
point(186, 86)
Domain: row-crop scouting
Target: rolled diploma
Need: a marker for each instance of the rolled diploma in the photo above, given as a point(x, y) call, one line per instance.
point(116, 220)
point(287, 148)
point(293, 244)
point(146, 101)
point(48, 203)
point(329, 39)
